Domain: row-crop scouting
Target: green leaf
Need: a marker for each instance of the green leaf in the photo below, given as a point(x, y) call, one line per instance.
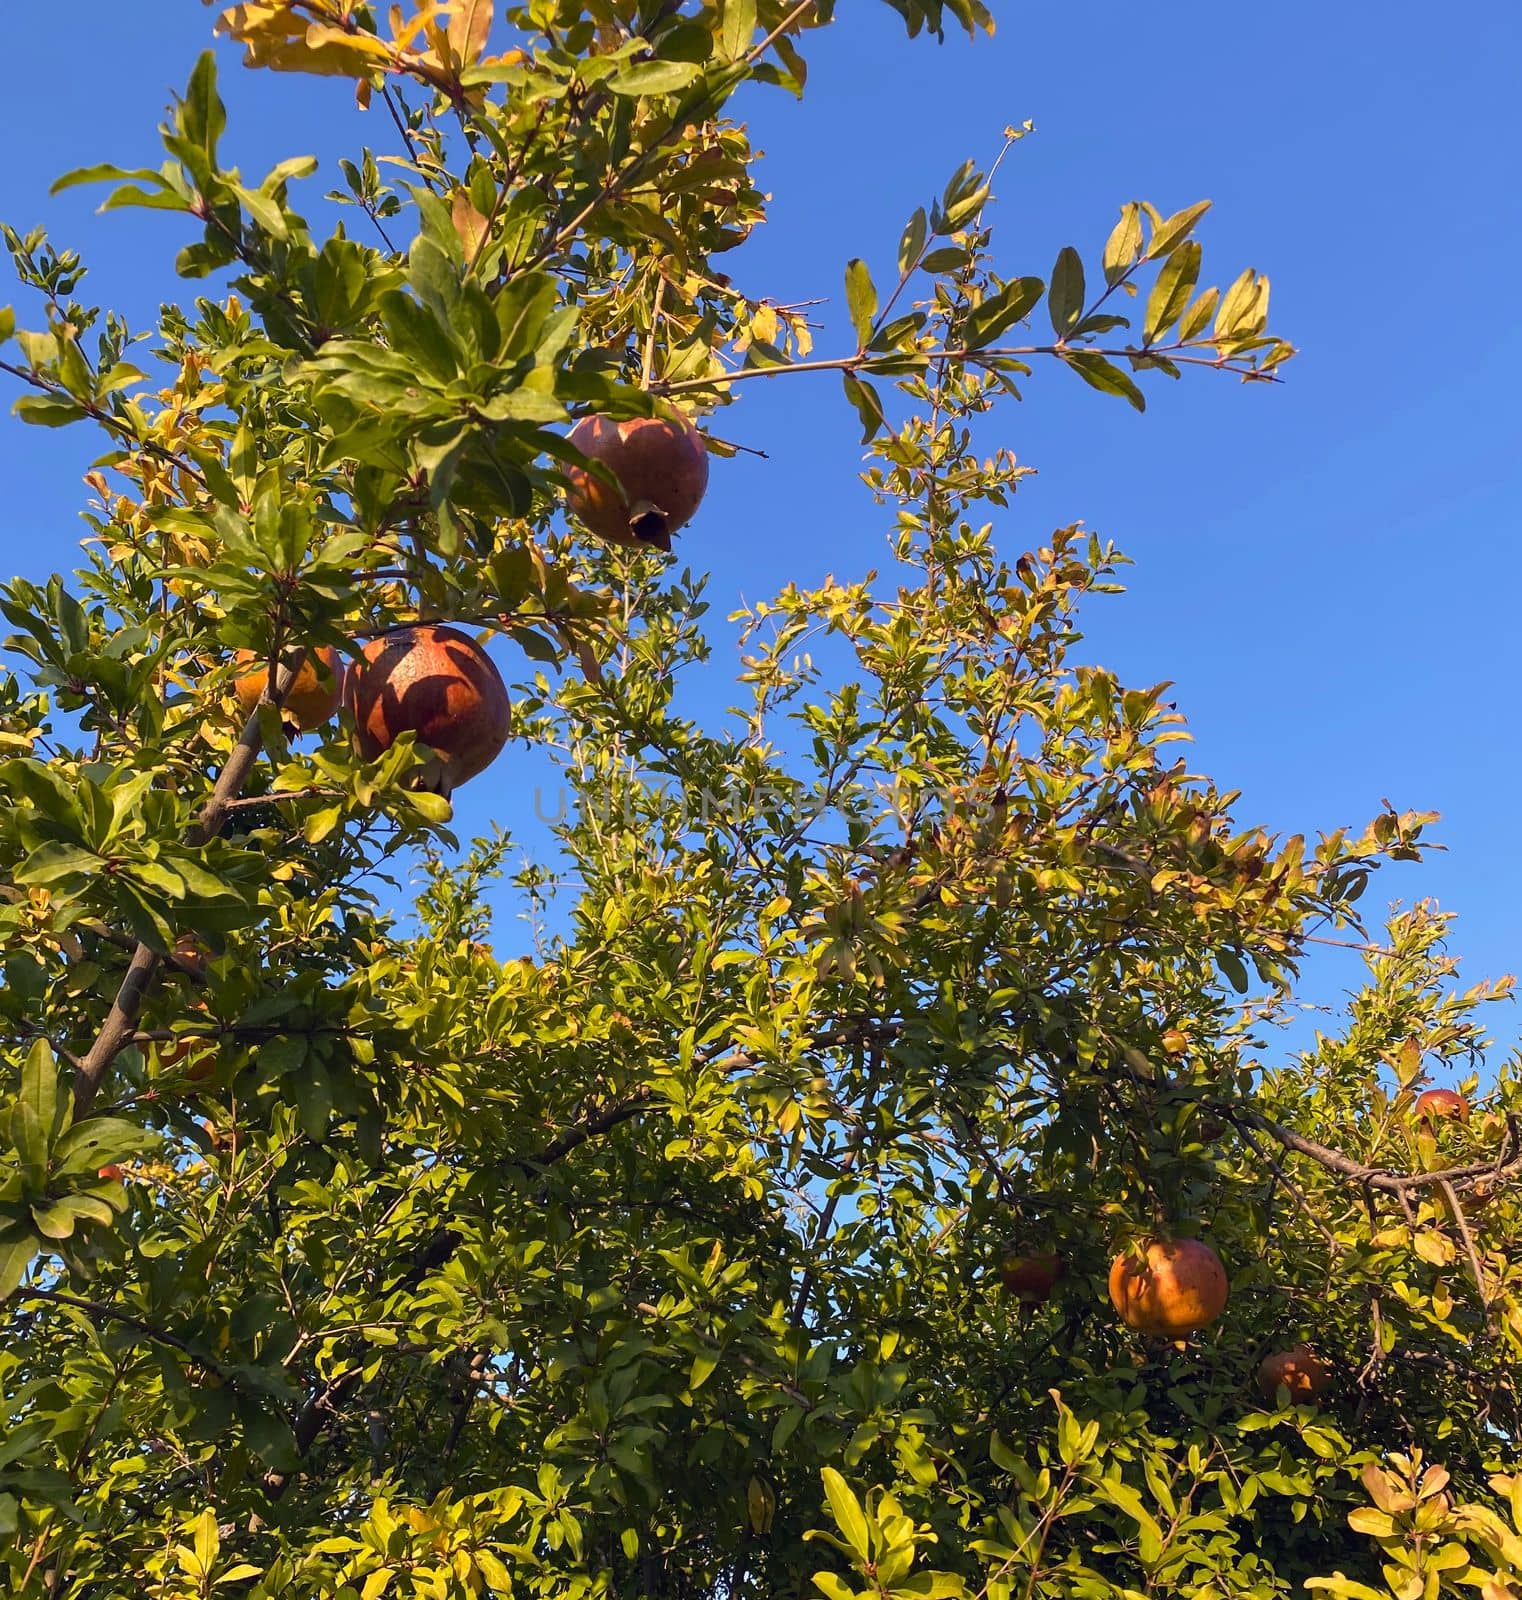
point(1166, 236)
point(102, 172)
point(1244, 310)
point(1230, 963)
point(264, 209)
point(268, 1434)
point(314, 1099)
point(703, 1367)
point(1123, 247)
point(51, 863)
point(931, 1586)
point(1010, 304)
point(35, 1113)
point(1121, 1494)
point(15, 1257)
point(98, 1141)
point(847, 1512)
point(1002, 1456)
point(833, 1587)
point(737, 27)
point(161, 199)
point(317, 825)
point(861, 299)
point(1104, 375)
point(58, 1219)
point(654, 77)
point(1346, 1587)
point(1170, 294)
point(868, 403)
point(200, 119)
point(911, 244)
point(43, 788)
point(47, 411)
point(1065, 299)
point(949, 258)
point(1197, 318)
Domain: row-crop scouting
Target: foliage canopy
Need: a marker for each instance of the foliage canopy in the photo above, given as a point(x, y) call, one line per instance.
point(348, 1254)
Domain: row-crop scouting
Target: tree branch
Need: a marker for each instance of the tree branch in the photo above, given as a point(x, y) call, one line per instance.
point(105, 1313)
point(1387, 1181)
point(117, 1029)
point(869, 362)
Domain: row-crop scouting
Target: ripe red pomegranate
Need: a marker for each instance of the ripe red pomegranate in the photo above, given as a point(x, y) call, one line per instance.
point(314, 696)
point(1433, 1103)
point(1031, 1278)
point(661, 465)
point(1175, 1287)
point(1300, 1370)
point(441, 685)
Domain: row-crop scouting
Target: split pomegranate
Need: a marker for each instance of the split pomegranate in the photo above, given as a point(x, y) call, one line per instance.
point(661, 468)
point(439, 684)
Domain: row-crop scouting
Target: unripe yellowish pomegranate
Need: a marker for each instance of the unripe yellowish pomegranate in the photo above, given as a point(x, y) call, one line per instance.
point(1170, 1289)
point(314, 696)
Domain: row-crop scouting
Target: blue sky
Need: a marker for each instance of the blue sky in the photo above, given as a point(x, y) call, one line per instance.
point(1325, 569)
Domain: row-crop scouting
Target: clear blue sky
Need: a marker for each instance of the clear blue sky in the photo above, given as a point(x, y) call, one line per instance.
point(1325, 569)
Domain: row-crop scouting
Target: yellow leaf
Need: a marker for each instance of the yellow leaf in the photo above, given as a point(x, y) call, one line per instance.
point(1433, 1248)
point(468, 223)
point(1434, 1480)
point(405, 33)
point(468, 29)
point(203, 1529)
point(275, 36)
point(364, 47)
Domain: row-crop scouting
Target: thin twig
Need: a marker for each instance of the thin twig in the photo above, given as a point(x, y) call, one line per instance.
point(125, 1319)
point(620, 180)
point(867, 362)
point(1296, 1193)
point(1476, 1270)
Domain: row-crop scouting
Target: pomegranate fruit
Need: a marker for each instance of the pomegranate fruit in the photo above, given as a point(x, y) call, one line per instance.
point(1173, 1288)
point(1031, 1278)
point(1300, 1370)
point(1442, 1103)
point(438, 683)
point(661, 467)
point(314, 696)
point(221, 1140)
point(190, 955)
